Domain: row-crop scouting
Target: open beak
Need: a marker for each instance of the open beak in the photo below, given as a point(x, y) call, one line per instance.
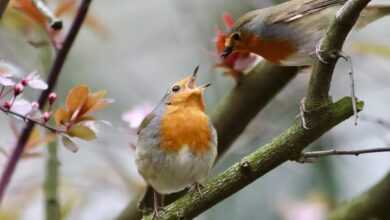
point(192, 81)
point(227, 51)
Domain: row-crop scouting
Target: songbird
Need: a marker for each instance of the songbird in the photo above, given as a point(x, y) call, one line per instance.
point(289, 34)
point(177, 144)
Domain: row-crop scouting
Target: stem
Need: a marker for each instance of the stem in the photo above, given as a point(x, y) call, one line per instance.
point(28, 119)
point(51, 81)
point(51, 183)
point(3, 6)
point(322, 153)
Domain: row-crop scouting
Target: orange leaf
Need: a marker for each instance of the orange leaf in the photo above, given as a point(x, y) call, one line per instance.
point(65, 7)
point(82, 132)
point(76, 98)
point(92, 100)
point(85, 118)
point(61, 116)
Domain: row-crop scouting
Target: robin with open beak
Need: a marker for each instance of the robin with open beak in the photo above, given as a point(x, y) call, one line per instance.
point(289, 34)
point(177, 144)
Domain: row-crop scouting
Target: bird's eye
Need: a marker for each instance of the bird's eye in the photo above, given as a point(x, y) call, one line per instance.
point(236, 36)
point(175, 88)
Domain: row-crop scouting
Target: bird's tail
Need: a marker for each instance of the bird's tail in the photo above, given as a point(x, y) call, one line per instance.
point(371, 14)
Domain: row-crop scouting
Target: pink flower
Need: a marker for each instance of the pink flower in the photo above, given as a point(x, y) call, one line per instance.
point(135, 115)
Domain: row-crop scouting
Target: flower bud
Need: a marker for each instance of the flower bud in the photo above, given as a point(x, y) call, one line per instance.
point(7, 105)
point(18, 88)
point(52, 98)
point(46, 116)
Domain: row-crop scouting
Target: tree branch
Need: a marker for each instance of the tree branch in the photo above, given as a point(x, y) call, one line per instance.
point(287, 146)
point(319, 85)
point(3, 7)
point(322, 153)
point(250, 96)
point(373, 204)
point(51, 81)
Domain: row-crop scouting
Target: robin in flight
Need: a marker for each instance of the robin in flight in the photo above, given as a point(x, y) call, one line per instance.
point(177, 144)
point(289, 34)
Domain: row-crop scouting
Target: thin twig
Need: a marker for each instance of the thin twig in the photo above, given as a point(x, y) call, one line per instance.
point(322, 153)
point(3, 6)
point(51, 81)
point(35, 121)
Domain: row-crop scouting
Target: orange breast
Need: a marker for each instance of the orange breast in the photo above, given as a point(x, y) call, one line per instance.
point(273, 50)
point(182, 126)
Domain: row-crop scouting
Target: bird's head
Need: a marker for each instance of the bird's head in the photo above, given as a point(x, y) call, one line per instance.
point(185, 93)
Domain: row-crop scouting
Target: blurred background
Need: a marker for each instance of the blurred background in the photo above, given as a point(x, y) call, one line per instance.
point(135, 50)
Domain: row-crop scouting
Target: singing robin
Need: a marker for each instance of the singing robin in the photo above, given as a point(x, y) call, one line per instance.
point(289, 33)
point(177, 144)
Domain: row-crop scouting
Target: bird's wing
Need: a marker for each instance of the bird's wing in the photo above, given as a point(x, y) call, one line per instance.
point(293, 10)
point(145, 122)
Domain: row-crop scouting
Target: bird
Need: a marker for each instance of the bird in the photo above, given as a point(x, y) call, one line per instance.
point(177, 143)
point(289, 34)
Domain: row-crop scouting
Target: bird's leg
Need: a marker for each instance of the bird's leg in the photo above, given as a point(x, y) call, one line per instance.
point(146, 204)
point(302, 112)
point(156, 205)
point(196, 187)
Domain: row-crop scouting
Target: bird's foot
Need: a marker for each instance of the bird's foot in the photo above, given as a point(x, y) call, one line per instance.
point(197, 187)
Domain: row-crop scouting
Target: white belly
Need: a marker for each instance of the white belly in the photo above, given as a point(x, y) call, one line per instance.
point(172, 172)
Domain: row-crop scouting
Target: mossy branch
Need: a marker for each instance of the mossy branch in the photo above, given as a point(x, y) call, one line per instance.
point(331, 46)
point(287, 146)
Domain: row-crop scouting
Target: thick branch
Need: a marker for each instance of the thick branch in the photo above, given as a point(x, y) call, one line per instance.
point(318, 92)
point(249, 97)
point(287, 146)
point(51, 81)
point(3, 7)
point(373, 204)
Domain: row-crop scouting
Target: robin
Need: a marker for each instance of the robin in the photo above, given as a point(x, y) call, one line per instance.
point(289, 34)
point(177, 144)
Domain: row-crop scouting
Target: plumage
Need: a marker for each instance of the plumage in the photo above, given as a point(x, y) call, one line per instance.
point(289, 33)
point(177, 144)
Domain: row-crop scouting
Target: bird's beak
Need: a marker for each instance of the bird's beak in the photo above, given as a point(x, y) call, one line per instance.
point(192, 81)
point(227, 51)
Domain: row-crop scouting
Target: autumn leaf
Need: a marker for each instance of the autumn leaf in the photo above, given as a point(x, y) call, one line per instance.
point(75, 117)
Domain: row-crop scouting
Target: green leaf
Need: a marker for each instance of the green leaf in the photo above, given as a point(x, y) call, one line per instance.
point(82, 132)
